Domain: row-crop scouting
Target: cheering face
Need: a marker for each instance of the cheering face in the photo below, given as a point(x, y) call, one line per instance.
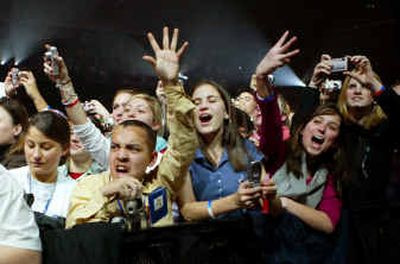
point(119, 106)
point(130, 153)
point(42, 153)
point(320, 134)
point(8, 130)
point(210, 109)
point(357, 95)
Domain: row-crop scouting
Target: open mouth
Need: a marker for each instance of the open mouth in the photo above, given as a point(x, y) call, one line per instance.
point(205, 118)
point(357, 98)
point(121, 169)
point(318, 139)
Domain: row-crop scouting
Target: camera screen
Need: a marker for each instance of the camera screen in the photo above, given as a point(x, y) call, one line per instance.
point(339, 64)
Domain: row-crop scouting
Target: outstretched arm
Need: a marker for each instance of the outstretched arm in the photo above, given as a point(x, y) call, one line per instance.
point(69, 98)
point(183, 140)
point(91, 137)
point(277, 56)
point(271, 140)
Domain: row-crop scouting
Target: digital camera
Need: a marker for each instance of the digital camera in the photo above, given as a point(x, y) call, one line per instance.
point(15, 77)
point(339, 64)
point(333, 85)
point(51, 55)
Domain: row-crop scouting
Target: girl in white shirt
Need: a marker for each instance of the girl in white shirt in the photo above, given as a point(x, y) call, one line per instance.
point(46, 148)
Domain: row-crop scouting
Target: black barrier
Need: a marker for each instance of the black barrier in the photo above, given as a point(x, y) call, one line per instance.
point(282, 240)
point(208, 242)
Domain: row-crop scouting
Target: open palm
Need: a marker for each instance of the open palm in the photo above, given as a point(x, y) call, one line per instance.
point(166, 60)
point(277, 56)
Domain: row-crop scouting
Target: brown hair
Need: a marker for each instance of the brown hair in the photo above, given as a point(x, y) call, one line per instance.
point(151, 134)
point(19, 116)
point(231, 138)
point(296, 149)
point(53, 126)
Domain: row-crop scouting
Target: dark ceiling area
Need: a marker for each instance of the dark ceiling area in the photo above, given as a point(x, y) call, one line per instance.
point(103, 41)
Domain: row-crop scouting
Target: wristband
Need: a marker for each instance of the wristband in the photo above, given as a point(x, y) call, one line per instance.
point(265, 99)
point(69, 105)
point(209, 209)
point(380, 91)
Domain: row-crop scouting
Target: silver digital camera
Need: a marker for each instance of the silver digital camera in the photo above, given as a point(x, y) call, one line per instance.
point(340, 64)
point(15, 77)
point(333, 85)
point(51, 55)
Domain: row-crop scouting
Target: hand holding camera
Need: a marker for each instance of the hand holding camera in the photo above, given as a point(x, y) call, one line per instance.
point(12, 82)
point(248, 196)
point(321, 71)
point(98, 113)
point(27, 79)
point(363, 72)
point(254, 173)
point(94, 107)
point(54, 66)
point(328, 73)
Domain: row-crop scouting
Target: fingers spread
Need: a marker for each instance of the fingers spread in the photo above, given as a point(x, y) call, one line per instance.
point(292, 53)
point(150, 60)
point(288, 44)
point(182, 49)
point(165, 38)
point(174, 41)
point(153, 42)
point(282, 39)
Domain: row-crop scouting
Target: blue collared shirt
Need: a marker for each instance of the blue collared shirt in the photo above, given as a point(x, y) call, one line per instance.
point(210, 183)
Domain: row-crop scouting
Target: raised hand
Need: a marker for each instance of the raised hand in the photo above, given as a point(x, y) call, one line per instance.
point(28, 80)
point(167, 59)
point(277, 56)
point(321, 71)
point(11, 88)
point(94, 107)
point(62, 76)
point(363, 72)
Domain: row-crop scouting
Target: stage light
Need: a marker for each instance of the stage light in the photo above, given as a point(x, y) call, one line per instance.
point(286, 77)
point(5, 58)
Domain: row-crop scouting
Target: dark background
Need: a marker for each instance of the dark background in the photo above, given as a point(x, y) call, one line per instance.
point(103, 41)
